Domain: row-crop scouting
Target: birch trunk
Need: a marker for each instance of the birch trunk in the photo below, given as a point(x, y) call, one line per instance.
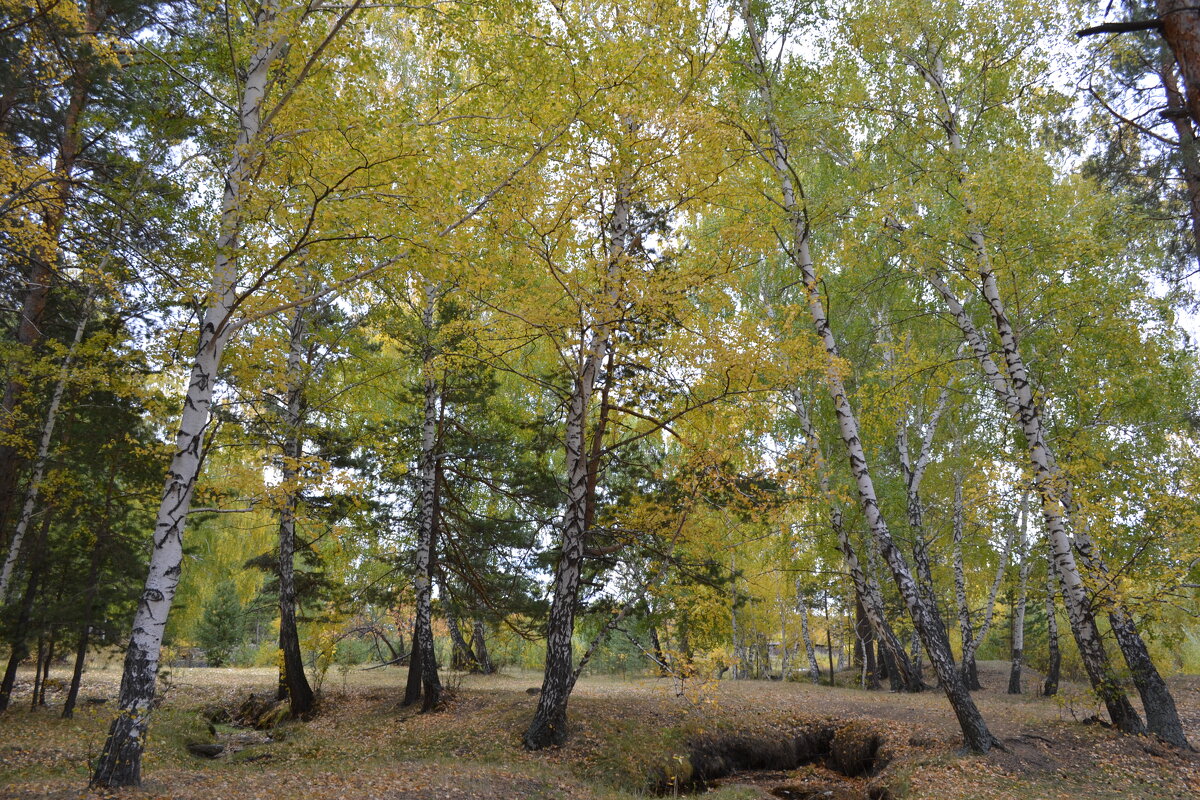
point(479, 645)
point(431, 685)
point(990, 608)
point(1018, 631)
point(549, 725)
point(969, 673)
point(120, 763)
point(1017, 393)
point(901, 674)
point(43, 452)
point(976, 735)
point(294, 683)
point(1162, 717)
point(914, 473)
point(810, 650)
point(1050, 688)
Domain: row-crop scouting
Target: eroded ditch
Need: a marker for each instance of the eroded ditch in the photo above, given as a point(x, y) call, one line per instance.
point(851, 750)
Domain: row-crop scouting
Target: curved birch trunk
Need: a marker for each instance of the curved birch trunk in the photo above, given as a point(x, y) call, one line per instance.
point(976, 735)
point(294, 684)
point(1162, 717)
point(1016, 392)
point(120, 763)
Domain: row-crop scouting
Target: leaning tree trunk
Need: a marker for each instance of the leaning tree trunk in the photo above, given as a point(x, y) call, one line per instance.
point(1050, 687)
point(976, 735)
point(1162, 718)
point(901, 673)
point(1017, 394)
point(914, 474)
point(120, 763)
point(549, 725)
point(294, 683)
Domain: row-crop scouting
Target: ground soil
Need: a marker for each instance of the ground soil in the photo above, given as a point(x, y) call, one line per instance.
point(624, 732)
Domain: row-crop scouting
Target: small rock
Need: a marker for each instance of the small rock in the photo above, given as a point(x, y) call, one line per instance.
point(533, 690)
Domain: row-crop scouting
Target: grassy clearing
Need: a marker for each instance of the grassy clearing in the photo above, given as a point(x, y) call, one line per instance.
point(363, 745)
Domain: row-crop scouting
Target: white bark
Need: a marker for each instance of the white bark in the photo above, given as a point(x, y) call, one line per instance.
point(549, 722)
point(120, 763)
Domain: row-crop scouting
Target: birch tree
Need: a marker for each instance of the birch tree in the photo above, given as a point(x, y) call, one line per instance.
point(926, 57)
point(777, 153)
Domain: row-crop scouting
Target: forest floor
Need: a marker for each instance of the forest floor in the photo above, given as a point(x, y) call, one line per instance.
point(362, 745)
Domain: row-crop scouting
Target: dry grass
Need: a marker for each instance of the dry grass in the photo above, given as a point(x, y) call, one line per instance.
point(363, 745)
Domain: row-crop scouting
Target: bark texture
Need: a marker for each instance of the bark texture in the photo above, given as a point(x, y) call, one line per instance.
point(120, 763)
point(549, 725)
point(431, 685)
point(901, 673)
point(295, 684)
